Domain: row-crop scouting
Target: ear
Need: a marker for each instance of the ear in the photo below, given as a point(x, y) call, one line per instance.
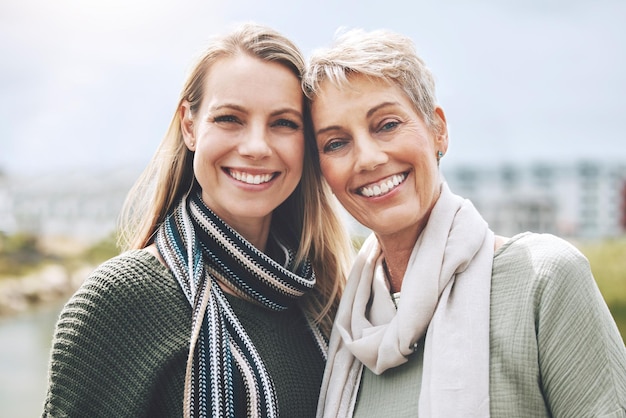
point(186, 125)
point(441, 130)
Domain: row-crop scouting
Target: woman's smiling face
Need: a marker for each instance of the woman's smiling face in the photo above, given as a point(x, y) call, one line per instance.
point(248, 138)
point(378, 155)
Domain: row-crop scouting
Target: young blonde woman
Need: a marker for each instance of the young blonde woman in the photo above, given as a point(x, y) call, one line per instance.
point(440, 317)
point(235, 259)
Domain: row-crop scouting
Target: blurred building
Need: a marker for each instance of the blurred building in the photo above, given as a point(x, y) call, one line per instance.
point(584, 199)
point(581, 200)
point(83, 205)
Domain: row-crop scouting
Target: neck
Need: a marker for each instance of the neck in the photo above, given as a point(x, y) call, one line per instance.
point(396, 259)
point(397, 248)
point(395, 267)
point(396, 253)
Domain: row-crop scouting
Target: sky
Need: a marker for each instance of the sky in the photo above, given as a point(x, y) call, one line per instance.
point(91, 85)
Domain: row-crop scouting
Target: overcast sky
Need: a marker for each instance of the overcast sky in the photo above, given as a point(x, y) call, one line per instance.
point(93, 84)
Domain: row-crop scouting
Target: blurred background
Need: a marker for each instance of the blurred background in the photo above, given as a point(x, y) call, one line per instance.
point(534, 93)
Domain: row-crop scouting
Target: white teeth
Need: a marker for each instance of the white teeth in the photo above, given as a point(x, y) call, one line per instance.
point(251, 178)
point(383, 187)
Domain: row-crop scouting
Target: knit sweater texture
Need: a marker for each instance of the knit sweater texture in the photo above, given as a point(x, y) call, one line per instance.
point(121, 344)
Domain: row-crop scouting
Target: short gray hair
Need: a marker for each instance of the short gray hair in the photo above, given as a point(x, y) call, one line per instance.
point(379, 54)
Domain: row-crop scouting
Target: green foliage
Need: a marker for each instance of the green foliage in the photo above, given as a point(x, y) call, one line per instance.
point(101, 251)
point(19, 253)
point(608, 264)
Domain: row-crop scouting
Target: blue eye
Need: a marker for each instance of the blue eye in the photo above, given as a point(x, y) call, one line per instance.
point(334, 145)
point(287, 123)
point(389, 126)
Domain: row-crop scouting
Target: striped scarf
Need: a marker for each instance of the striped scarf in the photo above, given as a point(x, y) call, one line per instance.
point(223, 364)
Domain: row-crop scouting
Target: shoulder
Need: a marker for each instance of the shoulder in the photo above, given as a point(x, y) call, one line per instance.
point(541, 252)
point(135, 268)
point(126, 324)
point(122, 285)
point(549, 318)
point(540, 267)
point(130, 263)
point(126, 292)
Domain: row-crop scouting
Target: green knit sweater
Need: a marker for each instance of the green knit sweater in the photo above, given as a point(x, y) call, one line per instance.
point(121, 344)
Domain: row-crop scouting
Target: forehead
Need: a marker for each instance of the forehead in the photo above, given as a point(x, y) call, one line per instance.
point(244, 66)
point(353, 84)
point(358, 94)
point(243, 77)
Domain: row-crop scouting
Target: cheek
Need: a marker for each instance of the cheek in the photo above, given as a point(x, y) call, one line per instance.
point(295, 156)
point(429, 186)
point(333, 174)
point(203, 154)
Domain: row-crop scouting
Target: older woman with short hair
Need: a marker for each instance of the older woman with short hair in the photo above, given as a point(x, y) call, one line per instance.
point(440, 316)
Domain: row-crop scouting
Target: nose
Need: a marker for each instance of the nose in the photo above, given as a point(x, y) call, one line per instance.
point(369, 153)
point(255, 144)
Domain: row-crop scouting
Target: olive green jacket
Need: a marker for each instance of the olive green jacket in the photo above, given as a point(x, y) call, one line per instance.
point(555, 350)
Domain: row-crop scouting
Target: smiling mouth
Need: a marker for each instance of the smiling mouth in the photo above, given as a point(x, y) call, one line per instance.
point(250, 178)
point(382, 187)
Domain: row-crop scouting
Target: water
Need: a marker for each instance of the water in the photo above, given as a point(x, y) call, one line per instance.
point(25, 341)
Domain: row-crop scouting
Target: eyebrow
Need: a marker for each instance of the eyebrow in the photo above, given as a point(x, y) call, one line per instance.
point(227, 106)
point(327, 129)
point(368, 115)
point(244, 110)
point(287, 110)
point(380, 106)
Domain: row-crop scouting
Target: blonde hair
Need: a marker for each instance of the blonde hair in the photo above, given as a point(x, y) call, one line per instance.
point(378, 54)
point(309, 214)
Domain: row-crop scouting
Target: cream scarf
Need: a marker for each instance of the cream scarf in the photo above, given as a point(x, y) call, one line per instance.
point(445, 295)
